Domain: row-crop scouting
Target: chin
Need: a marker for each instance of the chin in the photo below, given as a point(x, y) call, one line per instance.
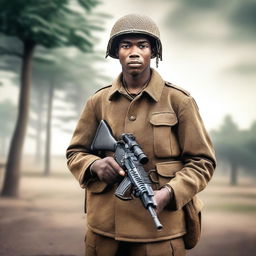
point(135, 72)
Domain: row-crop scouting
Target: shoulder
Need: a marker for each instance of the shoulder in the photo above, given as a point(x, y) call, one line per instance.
point(101, 93)
point(177, 88)
point(103, 88)
point(180, 98)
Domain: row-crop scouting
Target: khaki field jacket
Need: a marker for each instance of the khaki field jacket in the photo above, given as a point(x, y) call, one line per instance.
point(166, 123)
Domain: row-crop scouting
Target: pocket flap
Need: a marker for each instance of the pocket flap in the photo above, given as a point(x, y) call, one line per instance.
point(163, 118)
point(168, 169)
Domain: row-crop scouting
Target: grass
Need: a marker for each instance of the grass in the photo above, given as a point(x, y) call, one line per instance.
point(234, 208)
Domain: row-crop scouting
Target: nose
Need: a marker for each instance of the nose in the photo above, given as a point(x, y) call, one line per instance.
point(134, 52)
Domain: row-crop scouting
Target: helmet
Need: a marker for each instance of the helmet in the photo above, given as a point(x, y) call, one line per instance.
point(134, 24)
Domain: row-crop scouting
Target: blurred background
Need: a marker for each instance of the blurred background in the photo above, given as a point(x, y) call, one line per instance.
point(52, 57)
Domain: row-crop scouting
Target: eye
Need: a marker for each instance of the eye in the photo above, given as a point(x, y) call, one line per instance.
point(142, 46)
point(124, 46)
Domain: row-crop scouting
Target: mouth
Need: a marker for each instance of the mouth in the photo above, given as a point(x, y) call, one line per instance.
point(134, 64)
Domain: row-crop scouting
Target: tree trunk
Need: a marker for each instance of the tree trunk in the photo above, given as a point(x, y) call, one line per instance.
point(40, 112)
point(234, 174)
point(38, 155)
point(12, 175)
point(48, 132)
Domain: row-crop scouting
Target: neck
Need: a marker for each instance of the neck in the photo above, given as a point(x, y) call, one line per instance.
point(135, 83)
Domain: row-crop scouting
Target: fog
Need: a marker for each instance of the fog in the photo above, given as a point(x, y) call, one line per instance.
point(208, 49)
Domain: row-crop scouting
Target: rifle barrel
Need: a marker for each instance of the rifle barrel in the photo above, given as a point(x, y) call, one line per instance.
point(155, 218)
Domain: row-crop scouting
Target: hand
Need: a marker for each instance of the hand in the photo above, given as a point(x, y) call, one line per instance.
point(107, 170)
point(162, 198)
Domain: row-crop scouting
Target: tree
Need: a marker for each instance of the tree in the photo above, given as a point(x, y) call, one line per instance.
point(226, 143)
point(235, 146)
point(50, 24)
point(76, 77)
point(84, 80)
point(37, 120)
point(58, 68)
point(249, 148)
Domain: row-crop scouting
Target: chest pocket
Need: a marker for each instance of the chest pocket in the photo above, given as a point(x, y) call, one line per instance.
point(165, 140)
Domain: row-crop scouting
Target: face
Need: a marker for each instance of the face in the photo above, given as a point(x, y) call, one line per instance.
point(134, 53)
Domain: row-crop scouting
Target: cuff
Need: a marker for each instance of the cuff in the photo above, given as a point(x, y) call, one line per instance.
point(86, 176)
point(172, 203)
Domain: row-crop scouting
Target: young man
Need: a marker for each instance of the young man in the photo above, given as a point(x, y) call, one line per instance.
point(166, 123)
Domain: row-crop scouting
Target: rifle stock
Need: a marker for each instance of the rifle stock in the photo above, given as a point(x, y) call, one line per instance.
point(103, 139)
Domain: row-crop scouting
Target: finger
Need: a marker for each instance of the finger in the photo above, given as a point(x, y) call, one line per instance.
point(116, 167)
point(110, 177)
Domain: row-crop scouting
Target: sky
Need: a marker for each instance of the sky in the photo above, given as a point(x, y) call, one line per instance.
point(208, 49)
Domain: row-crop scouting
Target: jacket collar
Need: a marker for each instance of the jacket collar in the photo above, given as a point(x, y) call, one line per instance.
point(154, 88)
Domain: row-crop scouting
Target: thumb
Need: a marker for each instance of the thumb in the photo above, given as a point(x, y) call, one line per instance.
point(122, 172)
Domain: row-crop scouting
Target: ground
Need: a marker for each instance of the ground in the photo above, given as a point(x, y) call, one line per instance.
point(48, 220)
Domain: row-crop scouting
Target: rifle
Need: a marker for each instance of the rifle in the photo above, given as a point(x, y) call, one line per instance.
point(130, 157)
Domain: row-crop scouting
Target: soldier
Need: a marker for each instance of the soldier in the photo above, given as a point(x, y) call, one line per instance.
point(165, 121)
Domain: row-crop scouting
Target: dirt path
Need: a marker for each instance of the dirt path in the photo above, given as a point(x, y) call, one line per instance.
point(48, 220)
point(227, 234)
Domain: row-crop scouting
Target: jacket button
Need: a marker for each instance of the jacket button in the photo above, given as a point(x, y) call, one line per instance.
point(132, 118)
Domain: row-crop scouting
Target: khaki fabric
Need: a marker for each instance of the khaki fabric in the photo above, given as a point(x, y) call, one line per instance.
point(97, 245)
point(166, 123)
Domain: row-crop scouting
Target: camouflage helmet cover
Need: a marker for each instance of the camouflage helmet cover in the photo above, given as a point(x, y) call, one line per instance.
point(134, 24)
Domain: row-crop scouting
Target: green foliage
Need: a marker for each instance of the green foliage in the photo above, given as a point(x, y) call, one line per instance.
point(236, 146)
point(10, 46)
point(10, 49)
point(81, 78)
point(244, 15)
point(74, 77)
point(48, 23)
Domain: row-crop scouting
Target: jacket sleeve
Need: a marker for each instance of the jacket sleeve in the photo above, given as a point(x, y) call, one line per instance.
point(197, 154)
point(79, 155)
